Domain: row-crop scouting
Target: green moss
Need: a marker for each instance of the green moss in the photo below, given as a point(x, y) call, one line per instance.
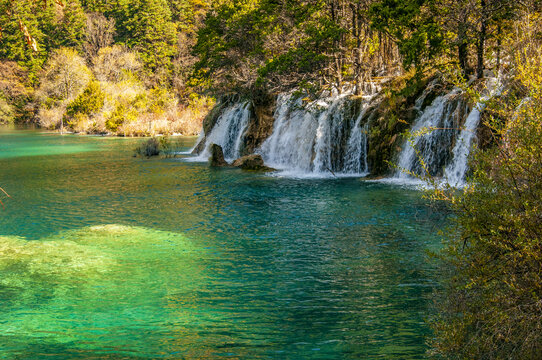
point(391, 117)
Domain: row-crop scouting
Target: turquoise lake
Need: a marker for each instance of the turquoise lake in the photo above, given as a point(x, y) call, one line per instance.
point(107, 256)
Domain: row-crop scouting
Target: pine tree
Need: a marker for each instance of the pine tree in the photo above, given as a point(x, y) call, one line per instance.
point(154, 36)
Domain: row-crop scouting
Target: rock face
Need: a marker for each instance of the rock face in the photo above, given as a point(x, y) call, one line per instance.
point(217, 156)
point(354, 134)
point(260, 124)
point(251, 162)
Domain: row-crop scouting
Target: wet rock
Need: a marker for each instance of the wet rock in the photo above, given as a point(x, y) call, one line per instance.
point(260, 125)
point(251, 162)
point(217, 156)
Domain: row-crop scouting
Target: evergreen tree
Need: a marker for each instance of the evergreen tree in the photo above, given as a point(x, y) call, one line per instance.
point(72, 26)
point(415, 30)
point(154, 36)
point(18, 22)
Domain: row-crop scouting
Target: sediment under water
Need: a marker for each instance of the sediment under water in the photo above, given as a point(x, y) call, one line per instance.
point(103, 255)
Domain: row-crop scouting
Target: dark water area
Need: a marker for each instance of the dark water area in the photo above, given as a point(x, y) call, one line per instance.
point(107, 256)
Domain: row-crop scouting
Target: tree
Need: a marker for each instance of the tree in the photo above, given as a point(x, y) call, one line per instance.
point(21, 33)
point(318, 42)
point(99, 33)
point(114, 63)
point(15, 93)
point(63, 78)
point(154, 36)
point(491, 306)
point(70, 28)
point(31, 29)
point(413, 27)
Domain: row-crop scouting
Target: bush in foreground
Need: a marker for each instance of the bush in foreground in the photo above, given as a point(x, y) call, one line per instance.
point(491, 307)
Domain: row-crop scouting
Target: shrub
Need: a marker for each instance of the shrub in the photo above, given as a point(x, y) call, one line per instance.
point(149, 148)
point(7, 113)
point(90, 101)
point(160, 100)
point(491, 307)
point(122, 113)
point(155, 146)
point(51, 117)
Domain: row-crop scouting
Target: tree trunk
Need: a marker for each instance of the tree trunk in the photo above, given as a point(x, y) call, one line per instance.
point(481, 42)
point(499, 44)
point(463, 53)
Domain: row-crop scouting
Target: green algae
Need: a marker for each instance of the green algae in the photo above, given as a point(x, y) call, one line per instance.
point(98, 278)
point(84, 254)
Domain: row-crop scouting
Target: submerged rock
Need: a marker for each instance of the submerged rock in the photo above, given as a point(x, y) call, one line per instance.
point(217, 156)
point(251, 162)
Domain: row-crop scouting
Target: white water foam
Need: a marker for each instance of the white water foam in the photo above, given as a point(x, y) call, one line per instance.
point(228, 133)
point(318, 140)
point(431, 144)
point(432, 136)
point(456, 171)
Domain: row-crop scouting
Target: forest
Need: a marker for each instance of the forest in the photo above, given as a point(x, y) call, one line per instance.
point(149, 67)
point(154, 60)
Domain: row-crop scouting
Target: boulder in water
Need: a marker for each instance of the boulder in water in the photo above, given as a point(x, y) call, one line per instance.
point(217, 156)
point(251, 162)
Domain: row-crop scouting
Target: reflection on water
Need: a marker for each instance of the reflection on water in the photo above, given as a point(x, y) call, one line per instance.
point(203, 263)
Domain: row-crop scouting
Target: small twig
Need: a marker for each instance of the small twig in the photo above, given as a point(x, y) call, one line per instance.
point(4, 192)
point(1, 203)
point(331, 171)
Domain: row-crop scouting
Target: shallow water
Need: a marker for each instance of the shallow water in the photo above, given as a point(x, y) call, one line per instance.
point(103, 255)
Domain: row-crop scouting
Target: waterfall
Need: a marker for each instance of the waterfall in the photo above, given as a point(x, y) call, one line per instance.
point(322, 138)
point(356, 151)
point(438, 147)
point(456, 171)
point(429, 149)
point(227, 132)
point(291, 144)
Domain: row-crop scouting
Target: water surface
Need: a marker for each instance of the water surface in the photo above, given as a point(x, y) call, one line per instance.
point(103, 255)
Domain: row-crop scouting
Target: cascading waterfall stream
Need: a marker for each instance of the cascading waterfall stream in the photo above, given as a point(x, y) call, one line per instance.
point(320, 139)
point(291, 143)
point(437, 141)
point(227, 132)
point(429, 149)
point(456, 171)
point(356, 151)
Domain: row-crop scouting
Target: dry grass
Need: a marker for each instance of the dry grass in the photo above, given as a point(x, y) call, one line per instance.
point(129, 107)
point(50, 118)
point(183, 121)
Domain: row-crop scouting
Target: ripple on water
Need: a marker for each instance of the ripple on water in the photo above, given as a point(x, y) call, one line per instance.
point(205, 263)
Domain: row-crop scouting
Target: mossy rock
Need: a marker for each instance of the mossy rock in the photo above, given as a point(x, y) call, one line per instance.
point(217, 156)
point(251, 162)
